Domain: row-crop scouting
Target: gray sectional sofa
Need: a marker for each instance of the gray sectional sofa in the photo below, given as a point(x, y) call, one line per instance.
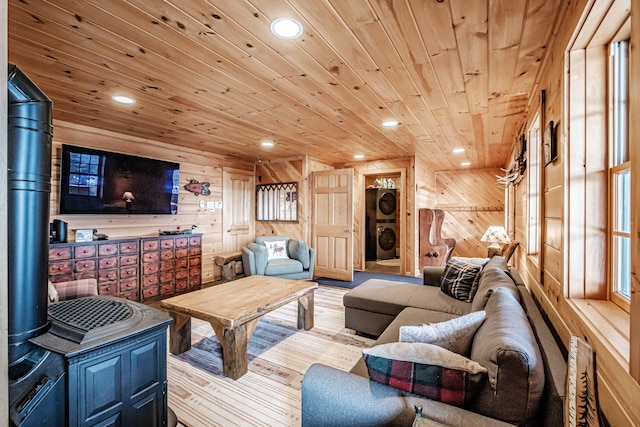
point(526, 368)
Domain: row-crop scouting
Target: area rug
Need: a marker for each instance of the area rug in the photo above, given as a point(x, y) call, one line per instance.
point(279, 355)
point(360, 277)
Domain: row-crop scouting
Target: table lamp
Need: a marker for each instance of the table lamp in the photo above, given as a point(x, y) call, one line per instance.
point(496, 235)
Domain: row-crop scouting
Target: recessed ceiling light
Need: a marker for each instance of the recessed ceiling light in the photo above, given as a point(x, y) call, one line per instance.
point(390, 123)
point(458, 150)
point(267, 143)
point(286, 28)
point(465, 163)
point(358, 156)
point(123, 99)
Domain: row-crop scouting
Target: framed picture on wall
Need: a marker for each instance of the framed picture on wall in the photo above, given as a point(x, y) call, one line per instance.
point(550, 144)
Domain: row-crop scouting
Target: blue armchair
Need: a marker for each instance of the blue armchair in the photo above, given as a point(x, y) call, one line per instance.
point(279, 256)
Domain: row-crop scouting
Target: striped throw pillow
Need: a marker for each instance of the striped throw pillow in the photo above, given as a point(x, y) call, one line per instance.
point(460, 279)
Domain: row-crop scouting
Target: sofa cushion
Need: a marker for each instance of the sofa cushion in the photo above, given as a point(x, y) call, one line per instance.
point(497, 261)
point(460, 278)
point(276, 249)
point(389, 297)
point(478, 261)
point(455, 335)
point(507, 347)
point(490, 279)
point(426, 370)
point(280, 266)
point(298, 249)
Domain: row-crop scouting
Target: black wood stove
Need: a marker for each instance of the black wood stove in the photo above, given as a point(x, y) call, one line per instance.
point(91, 361)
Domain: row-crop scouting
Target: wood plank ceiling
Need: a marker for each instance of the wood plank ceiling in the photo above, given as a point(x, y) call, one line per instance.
point(209, 75)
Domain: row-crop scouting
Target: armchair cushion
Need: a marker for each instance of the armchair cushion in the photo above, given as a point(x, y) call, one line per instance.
point(298, 249)
point(280, 266)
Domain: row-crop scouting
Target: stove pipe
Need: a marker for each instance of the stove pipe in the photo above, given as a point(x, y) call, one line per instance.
point(29, 180)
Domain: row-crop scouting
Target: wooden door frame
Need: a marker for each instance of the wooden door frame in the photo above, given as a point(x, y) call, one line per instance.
point(402, 188)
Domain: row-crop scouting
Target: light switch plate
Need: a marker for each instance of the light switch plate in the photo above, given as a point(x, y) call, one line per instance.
point(218, 205)
point(202, 204)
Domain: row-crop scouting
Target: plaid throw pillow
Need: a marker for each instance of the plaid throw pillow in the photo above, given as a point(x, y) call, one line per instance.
point(425, 369)
point(76, 289)
point(460, 279)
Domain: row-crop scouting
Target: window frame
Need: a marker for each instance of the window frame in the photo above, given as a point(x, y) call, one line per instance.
point(534, 138)
point(277, 202)
point(619, 164)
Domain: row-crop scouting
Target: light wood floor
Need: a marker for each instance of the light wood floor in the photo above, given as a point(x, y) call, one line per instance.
point(375, 267)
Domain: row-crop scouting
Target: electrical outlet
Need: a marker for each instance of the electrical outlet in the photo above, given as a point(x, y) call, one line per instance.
point(211, 207)
point(218, 205)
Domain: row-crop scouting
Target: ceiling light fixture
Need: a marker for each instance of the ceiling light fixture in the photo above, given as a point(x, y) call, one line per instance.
point(358, 156)
point(390, 123)
point(458, 150)
point(286, 28)
point(465, 163)
point(267, 143)
point(123, 99)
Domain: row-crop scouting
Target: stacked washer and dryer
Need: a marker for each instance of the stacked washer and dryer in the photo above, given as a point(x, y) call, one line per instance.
point(380, 223)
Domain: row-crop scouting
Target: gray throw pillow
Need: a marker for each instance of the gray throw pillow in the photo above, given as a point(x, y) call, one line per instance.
point(298, 249)
point(460, 279)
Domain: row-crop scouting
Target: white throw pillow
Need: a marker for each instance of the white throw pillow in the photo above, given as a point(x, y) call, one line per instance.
point(276, 249)
point(455, 335)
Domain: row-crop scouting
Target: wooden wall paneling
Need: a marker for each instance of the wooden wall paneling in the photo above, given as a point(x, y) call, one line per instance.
point(615, 385)
point(553, 208)
point(205, 167)
point(285, 170)
point(576, 203)
point(596, 172)
point(553, 236)
point(425, 196)
point(408, 220)
point(472, 201)
point(425, 188)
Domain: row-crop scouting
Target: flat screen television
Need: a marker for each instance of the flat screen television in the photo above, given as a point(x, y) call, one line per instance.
point(101, 182)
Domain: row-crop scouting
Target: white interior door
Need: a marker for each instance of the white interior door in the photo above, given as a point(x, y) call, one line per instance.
point(238, 210)
point(332, 223)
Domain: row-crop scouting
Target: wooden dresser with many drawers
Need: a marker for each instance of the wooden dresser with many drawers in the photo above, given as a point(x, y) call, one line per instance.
point(133, 268)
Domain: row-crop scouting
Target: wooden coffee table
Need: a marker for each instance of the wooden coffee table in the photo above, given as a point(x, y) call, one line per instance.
point(234, 309)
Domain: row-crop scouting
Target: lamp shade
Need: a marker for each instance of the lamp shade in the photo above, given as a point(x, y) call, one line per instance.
point(496, 234)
